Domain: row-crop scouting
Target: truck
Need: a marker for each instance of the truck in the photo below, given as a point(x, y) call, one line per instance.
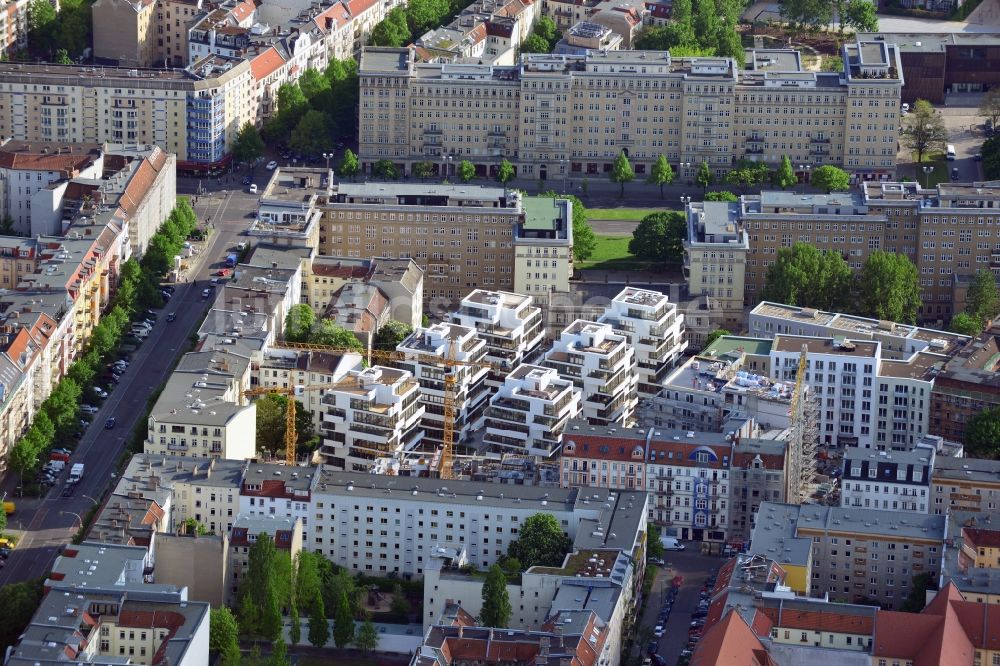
point(231, 260)
point(76, 473)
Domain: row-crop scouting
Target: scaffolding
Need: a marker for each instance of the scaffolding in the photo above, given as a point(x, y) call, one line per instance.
point(804, 437)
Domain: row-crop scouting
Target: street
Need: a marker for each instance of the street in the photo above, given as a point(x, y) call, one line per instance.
point(44, 525)
point(695, 568)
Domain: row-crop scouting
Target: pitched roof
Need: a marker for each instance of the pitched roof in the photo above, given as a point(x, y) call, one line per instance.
point(934, 636)
point(359, 7)
point(982, 538)
point(730, 641)
point(266, 63)
point(827, 620)
point(333, 17)
point(66, 158)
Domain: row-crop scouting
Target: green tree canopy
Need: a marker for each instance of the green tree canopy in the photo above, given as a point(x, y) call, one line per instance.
point(889, 288)
point(334, 335)
point(860, 15)
point(659, 237)
point(223, 636)
point(540, 542)
point(311, 135)
point(343, 622)
point(661, 173)
point(923, 130)
point(982, 300)
point(917, 598)
point(18, 602)
point(982, 434)
point(965, 324)
point(392, 30)
point(721, 195)
point(715, 335)
point(505, 172)
point(784, 175)
point(270, 419)
point(747, 174)
point(366, 639)
point(423, 170)
point(584, 240)
point(806, 12)
point(248, 146)
point(830, 178)
point(622, 172)
point(391, 334)
point(704, 178)
point(809, 277)
point(545, 28)
point(349, 166)
point(496, 609)
point(259, 613)
point(665, 37)
point(466, 171)
point(386, 170)
point(299, 323)
point(534, 43)
point(990, 106)
point(654, 546)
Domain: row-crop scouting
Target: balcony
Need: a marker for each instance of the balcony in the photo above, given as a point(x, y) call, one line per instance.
point(819, 139)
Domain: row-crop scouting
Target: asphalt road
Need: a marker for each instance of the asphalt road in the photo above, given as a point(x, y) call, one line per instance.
point(695, 568)
point(44, 525)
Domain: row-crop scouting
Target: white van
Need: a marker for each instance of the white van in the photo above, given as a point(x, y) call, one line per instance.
point(139, 332)
point(950, 152)
point(670, 543)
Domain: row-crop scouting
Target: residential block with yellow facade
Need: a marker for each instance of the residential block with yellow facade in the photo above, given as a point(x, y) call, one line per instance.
point(569, 116)
point(849, 554)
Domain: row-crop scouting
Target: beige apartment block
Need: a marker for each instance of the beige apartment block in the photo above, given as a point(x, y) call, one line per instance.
point(563, 117)
point(173, 20)
point(124, 32)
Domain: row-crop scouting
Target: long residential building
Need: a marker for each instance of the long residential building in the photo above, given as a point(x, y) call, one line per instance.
point(559, 117)
point(949, 232)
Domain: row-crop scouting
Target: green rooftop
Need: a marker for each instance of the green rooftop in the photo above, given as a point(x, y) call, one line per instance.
point(541, 213)
point(731, 343)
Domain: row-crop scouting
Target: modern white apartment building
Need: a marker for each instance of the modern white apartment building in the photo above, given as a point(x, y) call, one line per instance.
point(888, 480)
point(528, 414)
point(601, 363)
point(654, 328)
point(373, 412)
point(378, 524)
point(569, 116)
point(452, 342)
point(509, 323)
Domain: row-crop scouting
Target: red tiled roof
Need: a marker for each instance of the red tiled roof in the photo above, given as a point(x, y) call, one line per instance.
point(982, 538)
point(243, 10)
point(359, 7)
point(69, 159)
point(831, 620)
point(335, 16)
point(761, 624)
point(266, 63)
point(347, 272)
point(730, 641)
point(932, 637)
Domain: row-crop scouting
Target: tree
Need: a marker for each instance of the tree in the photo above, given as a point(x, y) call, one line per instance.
point(385, 170)
point(540, 542)
point(704, 178)
point(279, 654)
point(392, 30)
point(965, 324)
point(319, 628)
point(349, 166)
point(830, 178)
point(729, 44)
point(366, 639)
point(423, 170)
point(534, 43)
point(747, 174)
point(505, 172)
point(248, 146)
point(334, 335)
point(294, 626)
point(223, 636)
point(704, 22)
point(721, 195)
point(292, 105)
point(299, 323)
point(982, 300)
point(18, 602)
point(546, 28)
point(313, 83)
point(715, 335)
point(990, 107)
point(665, 38)
point(784, 175)
point(193, 526)
point(924, 130)
point(917, 598)
point(654, 547)
point(659, 237)
point(41, 22)
point(466, 171)
point(391, 334)
point(7, 226)
point(889, 287)
point(400, 606)
point(343, 623)
point(62, 57)
point(982, 434)
point(496, 610)
point(311, 135)
point(622, 172)
point(661, 173)
point(806, 276)
point(584, 240)
point(806, 12)
point(860, 15)
point(259, 613)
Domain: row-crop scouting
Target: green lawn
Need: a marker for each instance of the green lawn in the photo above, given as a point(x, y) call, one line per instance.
point(611, 254)
point(619, 213)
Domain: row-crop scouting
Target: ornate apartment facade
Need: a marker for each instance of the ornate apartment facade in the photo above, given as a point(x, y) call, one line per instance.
point(560, 117)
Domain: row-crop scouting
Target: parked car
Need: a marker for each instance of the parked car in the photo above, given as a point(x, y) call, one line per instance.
point(652, 647)
point(253, 188)
point(272, 165)
point(150, 315)
point(167, 288)
point(247, 180)
point(656, 560)
point(659, 631)
point(99, 392)
point(954, 173)
point(88, 409)
point(110, 423)
point(205, 293)
point(172, 317)
point(68, 490)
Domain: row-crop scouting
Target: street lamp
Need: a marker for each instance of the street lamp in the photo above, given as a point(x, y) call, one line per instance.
point(684, 166)
point(562, 170)
point(73, 513)
point(928, 170)
point(804, 168)
point(96, 503)
point(328, 157)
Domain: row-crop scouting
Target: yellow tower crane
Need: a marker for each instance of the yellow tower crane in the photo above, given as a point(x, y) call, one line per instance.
point(388, 356)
